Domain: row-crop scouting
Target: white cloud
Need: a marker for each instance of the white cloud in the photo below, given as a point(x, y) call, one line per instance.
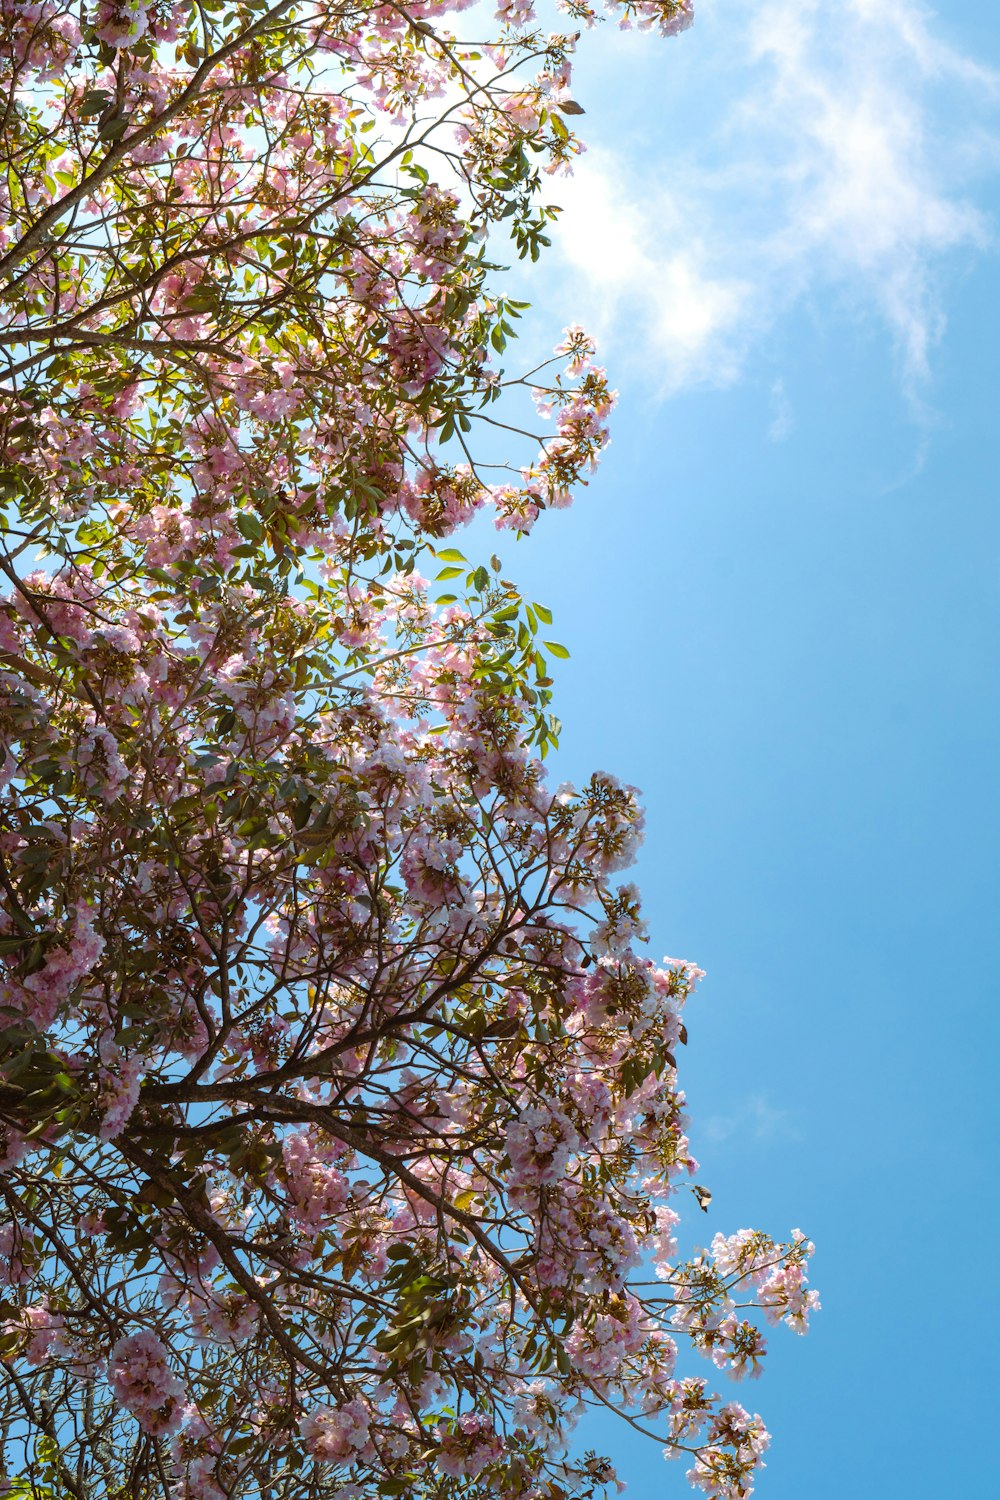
point(839, 166)
point(647, 276)
point(782, 417)
point(756, 1119)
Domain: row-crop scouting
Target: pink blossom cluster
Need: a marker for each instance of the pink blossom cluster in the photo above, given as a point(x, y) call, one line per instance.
point(120, 1081)
point(780, 1278)
point(725, 1465)
point(599, 1350)
point(19, 1256)
point(144, 1383)
point(468, 1446)
point(539, 1143)
point(40, 995)
point(196, 1451)
point(121, 23)
point(12, 1147)
point(46, 1340)
point(668, 17)
point(338, 1434)
point(223, 1317)
point(317, 1188)
point(39, 1328)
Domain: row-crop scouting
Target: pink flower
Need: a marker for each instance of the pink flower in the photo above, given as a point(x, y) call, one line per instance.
point(19, 1257)
point(42, 993)
point(42, 1328)
point(725, 1467)
point(579, 346)
point(318, 1190)
point(13, 1147)
point(468, 1448)
point(144, 1384)
point(121, 1082)
point(121, 22)
point(337, 1435)
point(539, 1143)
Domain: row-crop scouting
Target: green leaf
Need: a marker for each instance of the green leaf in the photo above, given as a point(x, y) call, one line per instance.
point(94, 102)
point(114, 129)
point(202, 299)
point(557, 650)
point(250, 527)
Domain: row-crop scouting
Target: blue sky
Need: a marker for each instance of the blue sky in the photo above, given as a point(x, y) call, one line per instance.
point(782, 595)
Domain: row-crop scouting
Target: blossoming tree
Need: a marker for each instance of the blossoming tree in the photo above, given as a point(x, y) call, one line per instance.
point(339, 1113)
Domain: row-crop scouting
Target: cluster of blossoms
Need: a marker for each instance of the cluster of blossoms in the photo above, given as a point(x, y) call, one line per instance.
point(341, 1010)
point(39, 994)
point(347, 405)
point(338, 1435)
point(340, 1118)
point(144, 1384)
point(726, 1462)
point(468, 1446)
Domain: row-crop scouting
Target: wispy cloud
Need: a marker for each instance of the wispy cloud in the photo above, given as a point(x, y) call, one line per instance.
point(841, 163)
point(756, 1120)
point(782, 416)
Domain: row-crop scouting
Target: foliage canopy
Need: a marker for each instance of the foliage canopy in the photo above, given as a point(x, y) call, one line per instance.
point(339, 1112)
